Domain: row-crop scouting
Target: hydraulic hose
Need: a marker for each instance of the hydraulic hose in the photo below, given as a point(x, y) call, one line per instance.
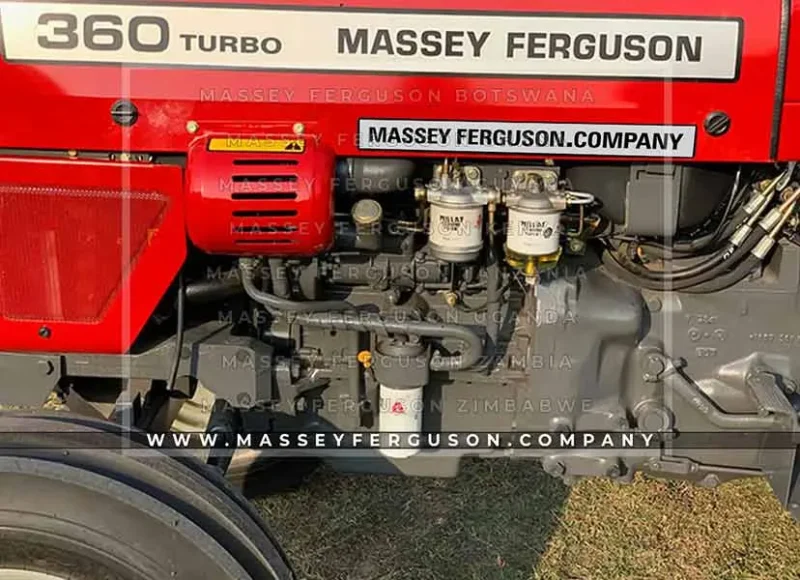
point(631, 269)
point(717, 262)
point(708, 242)
point(723, 231)
point(746, 257)
point(712, 268)
point(728, 280)
point(338, 315)
point(746, 215)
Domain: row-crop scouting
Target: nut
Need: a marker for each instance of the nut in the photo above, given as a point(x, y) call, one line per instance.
point(192, 127)
point(451, 298)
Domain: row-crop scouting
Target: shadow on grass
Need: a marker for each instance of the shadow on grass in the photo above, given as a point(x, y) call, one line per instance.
point(493, 521)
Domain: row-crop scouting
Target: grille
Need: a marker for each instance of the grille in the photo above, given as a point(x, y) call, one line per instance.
point(65, 251)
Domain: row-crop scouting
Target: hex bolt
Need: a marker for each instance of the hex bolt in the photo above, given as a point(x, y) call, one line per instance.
point(45, 332)
point(472, 173)
point(192, 127)
point(299, 128)
point(577, 246)
point(654, 305)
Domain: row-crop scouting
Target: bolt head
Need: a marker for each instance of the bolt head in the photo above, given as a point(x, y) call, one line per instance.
point(577, 246)
point(192, 127)
point(556, 469)
point(654, 305)
point(298, 128)
point(45, 332)
point(717, 124)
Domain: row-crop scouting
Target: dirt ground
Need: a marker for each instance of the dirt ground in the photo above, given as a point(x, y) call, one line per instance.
point(508, 520)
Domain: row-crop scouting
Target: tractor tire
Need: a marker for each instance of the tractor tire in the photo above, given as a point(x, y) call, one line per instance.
point(109, 514)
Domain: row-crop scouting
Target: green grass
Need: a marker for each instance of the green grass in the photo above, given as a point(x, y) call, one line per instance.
point(508, 520)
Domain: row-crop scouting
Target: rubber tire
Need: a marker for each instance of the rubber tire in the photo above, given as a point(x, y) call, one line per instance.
point(92, 514)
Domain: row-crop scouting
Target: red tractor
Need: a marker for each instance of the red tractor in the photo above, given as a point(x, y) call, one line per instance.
point(386, 236)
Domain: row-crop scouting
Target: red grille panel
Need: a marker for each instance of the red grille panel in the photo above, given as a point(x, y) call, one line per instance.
point(65, 251)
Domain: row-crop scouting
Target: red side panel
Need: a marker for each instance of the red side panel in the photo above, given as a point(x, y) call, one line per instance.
point(66, 106)
point(789, 145)
point(88, 250)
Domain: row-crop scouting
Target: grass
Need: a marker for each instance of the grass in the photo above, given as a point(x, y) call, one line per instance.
point(508, 520)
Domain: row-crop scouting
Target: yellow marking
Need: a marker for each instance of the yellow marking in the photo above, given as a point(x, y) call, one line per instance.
point(365, 358)
point(256, 145)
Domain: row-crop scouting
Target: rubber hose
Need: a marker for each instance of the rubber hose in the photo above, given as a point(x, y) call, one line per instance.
point(697, 245)
point(209, 291)
point(709, 264)
point(734, 258)
point(727, 280)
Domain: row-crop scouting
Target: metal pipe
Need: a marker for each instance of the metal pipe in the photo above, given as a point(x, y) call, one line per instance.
point(492, 294)
point(247, 267)
point(280, 281)
point(374, 176)
point(338, 315)
point(368, 322)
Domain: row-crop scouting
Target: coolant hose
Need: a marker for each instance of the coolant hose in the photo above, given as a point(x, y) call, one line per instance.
point(331, 315)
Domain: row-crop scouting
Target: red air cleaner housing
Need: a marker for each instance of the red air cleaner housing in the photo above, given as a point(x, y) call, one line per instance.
point(256, 194)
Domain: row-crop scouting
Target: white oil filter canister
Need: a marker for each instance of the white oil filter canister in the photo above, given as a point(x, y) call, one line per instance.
point(400, 412)
point(533, 226)
point(402, 369)
point(456, 227)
